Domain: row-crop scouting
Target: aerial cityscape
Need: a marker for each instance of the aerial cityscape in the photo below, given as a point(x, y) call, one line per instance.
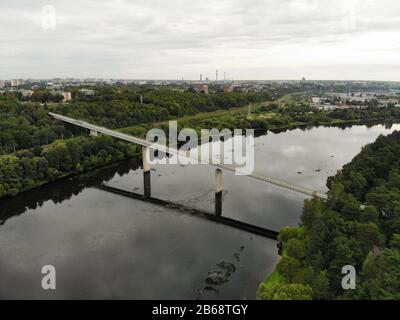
point(239, 151)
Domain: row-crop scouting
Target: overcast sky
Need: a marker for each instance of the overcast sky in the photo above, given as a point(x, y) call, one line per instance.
point(171, 39)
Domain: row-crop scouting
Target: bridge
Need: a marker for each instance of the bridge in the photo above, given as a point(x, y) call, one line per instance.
point(217, 216)
point(146, 145)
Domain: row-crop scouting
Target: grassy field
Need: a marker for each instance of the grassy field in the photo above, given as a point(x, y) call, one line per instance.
point(214, 114)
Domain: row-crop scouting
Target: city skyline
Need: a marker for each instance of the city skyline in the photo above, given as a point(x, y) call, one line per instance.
point(249, 40)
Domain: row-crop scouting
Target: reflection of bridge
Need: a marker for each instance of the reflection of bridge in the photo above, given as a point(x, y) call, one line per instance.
point(146, 145)
point(198, 213)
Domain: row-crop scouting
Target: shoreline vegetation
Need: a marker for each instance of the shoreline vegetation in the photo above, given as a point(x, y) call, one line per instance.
point(359, 225)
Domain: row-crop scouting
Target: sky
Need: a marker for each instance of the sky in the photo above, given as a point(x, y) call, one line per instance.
point(171, 39)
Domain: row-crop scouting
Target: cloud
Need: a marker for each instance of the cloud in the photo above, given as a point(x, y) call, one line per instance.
point(170, 39)
point(294, 151)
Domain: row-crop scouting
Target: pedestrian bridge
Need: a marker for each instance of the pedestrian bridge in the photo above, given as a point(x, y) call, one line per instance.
point(146, 145)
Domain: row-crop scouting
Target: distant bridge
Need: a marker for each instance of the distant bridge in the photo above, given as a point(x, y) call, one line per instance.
point(94, 130)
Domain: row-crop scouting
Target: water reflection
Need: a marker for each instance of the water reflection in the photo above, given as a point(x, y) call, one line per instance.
point(61, 190)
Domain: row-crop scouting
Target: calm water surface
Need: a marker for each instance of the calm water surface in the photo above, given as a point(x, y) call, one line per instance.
point(108, 246)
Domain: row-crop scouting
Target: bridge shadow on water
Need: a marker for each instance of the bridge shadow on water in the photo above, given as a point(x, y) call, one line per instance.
point(196, 212)
point(64, 189)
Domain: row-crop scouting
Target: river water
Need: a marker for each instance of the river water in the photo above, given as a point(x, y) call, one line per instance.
point(108, 246)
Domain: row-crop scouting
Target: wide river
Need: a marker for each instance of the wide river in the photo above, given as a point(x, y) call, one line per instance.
point(109, 246)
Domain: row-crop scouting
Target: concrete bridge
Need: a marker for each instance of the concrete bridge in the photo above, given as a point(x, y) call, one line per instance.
point(146, 146)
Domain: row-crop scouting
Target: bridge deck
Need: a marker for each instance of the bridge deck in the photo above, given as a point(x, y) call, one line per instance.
point(155, 146)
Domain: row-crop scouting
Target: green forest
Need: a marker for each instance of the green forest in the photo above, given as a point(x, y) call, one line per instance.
point(24, 125)
point(359, 225)
point(27, 169)
point(35, 149)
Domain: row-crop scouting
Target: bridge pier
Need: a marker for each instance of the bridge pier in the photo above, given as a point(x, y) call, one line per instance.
point(218, 192)
point(146, 172)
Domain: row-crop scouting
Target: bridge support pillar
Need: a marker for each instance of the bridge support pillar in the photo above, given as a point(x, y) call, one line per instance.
point(218, 192)
point(146, 171)
point(94, 133)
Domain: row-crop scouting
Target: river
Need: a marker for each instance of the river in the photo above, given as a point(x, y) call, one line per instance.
point(106, 246)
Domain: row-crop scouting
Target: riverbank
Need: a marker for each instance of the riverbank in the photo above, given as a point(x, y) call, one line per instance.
point(346, 230)
point(28, 169)
point(334, 123)
point(276, 116)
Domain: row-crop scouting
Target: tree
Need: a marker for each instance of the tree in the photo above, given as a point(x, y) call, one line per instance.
point(37, 151)
point(295, 249)
point(287, 292)
point(395, 242)
point(367, 236)
point(288, 267)
point(287, 233)
point(341, 253)
point(320, 287)
point(370, 215)
point(350, 207)
point(311, 212)
point(358, 184)
point(383, 281)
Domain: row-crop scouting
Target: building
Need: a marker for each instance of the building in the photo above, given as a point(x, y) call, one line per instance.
point(26, 93)
point(1, 83)
point(228, 88)
point(87, 92)
point(67, 96)
point(17, 82)
point(315, 101)
point(201, 88)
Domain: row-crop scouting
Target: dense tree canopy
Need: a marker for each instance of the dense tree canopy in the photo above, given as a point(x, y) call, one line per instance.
point(24, 125)
point(124, 109)
point(359, 225)
point(27, 169)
